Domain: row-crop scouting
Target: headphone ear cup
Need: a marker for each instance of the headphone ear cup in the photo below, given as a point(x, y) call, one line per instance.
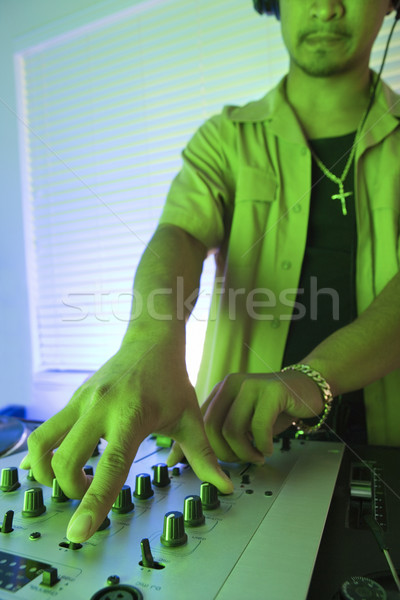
point(267, 7)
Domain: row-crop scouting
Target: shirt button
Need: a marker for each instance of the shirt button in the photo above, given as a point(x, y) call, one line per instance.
point(297, 208)
point(286, 265)
point(275, 323)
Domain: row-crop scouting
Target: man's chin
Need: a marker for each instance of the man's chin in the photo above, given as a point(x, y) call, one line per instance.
point(322, 68)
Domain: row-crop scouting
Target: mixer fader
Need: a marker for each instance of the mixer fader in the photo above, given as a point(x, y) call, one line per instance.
point(170, 536)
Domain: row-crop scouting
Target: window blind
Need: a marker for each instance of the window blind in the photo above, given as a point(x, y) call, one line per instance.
point(106, 109)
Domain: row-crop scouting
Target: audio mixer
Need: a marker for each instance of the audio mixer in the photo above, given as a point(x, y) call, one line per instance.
point(171, 536)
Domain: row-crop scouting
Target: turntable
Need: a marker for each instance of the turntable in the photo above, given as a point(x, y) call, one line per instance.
point(13, 435)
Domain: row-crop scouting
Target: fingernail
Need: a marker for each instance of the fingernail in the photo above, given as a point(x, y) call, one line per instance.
point(79, 530)
point(24, 464)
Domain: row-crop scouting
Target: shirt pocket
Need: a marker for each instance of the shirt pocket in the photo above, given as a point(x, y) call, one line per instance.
point(255, 185)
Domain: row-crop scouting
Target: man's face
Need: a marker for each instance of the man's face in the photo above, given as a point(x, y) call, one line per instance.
point(328, 37)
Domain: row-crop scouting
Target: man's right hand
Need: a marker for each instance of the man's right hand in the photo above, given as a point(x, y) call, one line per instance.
point(141, 390)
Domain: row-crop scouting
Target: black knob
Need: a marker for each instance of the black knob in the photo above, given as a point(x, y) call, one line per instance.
point(88, 470)
point(161, 476)
point(174, 529)
point(143, 489)
point(193, 511)
point(209, 496)
point(106, 523)
point(50, 577)
point(147, 557)
point(9, 479)
point(58, 495)
point(33, 503)
point(123, 503)
point(7, 522)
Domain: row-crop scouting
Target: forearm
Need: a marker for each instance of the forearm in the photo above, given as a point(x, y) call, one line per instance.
point(367, 349)
point(166, 284)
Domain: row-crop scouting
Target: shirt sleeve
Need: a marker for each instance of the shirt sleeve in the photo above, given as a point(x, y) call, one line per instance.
point(199, 193)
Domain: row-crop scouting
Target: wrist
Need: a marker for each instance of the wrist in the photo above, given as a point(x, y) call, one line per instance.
point(325, 391)
point(324, 367)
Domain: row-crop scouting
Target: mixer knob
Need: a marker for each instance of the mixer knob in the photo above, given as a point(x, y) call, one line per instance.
point(33, 503)
point(174, 529)
point(143, 489)
point(9, 479)
point(161, 476)
point(209, 496)
point(58, 494)
point(50, 577)
point(123, 503)
point(7, 522)
point(193, 511)
point(30, 475)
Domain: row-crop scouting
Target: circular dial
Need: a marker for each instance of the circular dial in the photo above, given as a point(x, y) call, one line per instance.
point(362, 588)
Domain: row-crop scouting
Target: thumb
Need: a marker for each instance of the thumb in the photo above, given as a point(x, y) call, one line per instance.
point(193, 443)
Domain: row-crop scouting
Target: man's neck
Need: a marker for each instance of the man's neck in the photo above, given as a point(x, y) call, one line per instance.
point(328, 107)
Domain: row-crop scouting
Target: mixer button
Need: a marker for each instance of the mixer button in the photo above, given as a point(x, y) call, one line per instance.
point(33, 503)
point(50, 577)
point(106, 523)
point(147, 557)
point(193, 511)
point(7, 522)
point(174, 529)
point(161, 476)
point(209, 496)
point(58, 495)
point(123, 504)
point(143, 489)
point(9, 479)
point(73, 546)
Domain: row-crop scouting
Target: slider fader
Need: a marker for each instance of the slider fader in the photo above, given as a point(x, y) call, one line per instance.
point(169, 535)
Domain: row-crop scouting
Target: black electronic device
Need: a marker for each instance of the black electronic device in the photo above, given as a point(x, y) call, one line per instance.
point(170, 536)
point(313, 523)
point(362, 527)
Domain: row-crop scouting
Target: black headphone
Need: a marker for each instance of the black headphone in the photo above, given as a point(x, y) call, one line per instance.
point(267, 7)
point(271, 7)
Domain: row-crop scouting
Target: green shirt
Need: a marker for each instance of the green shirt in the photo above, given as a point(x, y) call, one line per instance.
point(244, 191)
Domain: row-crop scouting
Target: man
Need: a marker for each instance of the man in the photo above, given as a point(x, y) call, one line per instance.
point(249, 192)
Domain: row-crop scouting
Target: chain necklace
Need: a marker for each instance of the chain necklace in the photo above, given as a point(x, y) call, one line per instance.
point(342, 195)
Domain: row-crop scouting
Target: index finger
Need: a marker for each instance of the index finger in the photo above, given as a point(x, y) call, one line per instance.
point(110, 475)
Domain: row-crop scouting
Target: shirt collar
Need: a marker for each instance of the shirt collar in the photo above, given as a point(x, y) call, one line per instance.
point(275, 110)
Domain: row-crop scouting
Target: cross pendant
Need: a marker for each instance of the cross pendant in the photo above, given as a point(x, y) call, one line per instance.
point(342, 195)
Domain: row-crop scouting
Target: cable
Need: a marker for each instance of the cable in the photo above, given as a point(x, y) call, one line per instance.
point(397, 18)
